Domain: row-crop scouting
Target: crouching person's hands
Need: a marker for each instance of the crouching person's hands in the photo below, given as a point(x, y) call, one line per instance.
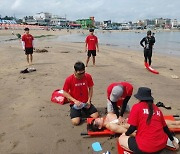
point(176, 145)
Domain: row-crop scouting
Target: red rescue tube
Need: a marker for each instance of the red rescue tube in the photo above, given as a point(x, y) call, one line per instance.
point(149, 68)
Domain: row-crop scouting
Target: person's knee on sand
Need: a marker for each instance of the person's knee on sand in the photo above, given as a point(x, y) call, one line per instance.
point(123, 141)
point(76, 121)
point(94, 115)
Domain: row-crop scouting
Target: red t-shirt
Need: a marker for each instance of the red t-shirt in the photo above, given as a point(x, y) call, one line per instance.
point(128, 89)
point(78, 88)
point(150, 138)
point(28, 39)
point(91, 41)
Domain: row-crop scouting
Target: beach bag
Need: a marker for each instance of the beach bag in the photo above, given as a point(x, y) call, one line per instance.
point(58, 97)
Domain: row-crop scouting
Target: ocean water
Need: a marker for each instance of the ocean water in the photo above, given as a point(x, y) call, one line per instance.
point(166, 42)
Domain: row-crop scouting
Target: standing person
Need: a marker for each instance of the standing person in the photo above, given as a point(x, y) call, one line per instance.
point(78, 88)
point(28, 45)
point(91, 46)
point(152, 131)
point(118, 95)
point(147, 43)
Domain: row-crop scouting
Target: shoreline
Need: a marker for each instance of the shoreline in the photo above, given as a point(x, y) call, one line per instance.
point(54, 35)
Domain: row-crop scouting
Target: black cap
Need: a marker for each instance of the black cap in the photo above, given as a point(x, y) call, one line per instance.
point(26, 29)
point(91, 30)
point(148, 32)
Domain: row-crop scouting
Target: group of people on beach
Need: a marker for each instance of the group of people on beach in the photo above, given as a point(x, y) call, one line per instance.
point(145, 130)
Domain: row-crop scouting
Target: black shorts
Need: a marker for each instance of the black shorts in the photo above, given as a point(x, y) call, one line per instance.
point(28, 51)
point(91, 52)
point(134, 147)
point(78, 113)
point(148, 53)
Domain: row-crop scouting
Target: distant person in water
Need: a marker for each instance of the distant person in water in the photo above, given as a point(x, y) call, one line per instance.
point(28, 45)
point(147, 43)
point(91, 46)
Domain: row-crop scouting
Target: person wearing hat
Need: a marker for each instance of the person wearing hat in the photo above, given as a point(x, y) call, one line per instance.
point(118, 95)
point(147, 43)
point(152, 131)
point(91, 45)
point(28, 45)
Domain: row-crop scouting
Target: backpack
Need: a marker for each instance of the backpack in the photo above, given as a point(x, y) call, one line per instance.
point(58, 97)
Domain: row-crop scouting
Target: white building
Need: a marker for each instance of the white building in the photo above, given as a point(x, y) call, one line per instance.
point(174, 23)
point(43, 16)
point(58, 21)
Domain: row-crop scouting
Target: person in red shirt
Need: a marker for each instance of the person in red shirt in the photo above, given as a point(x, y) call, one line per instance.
point(118, 95)
point(78, 89)
point(28, 45)
point(91, 46)
point(152, 131)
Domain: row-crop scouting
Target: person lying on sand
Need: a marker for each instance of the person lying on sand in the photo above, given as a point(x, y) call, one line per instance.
point(120, 125)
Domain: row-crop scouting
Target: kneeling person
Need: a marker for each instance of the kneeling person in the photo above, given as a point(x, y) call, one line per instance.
point(78, 88)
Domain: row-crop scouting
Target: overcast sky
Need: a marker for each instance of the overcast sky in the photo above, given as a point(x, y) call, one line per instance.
point(116, 10)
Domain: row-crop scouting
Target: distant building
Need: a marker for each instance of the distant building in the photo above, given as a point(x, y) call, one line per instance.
point(43, 18)
point(174, 23)
point(86, 23)
point(58, 21)
point(149, 23)
point(125, 26)
point(97, 24)
point(159, 22)
point(167, 23)
point(107, 24)
point(2, 21)
point(29, 20)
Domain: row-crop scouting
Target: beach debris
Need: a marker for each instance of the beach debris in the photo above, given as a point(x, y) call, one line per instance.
point(160, 104)
point(28, 70)
point(61, 140)
point(64, 51)
point(171, 69)
point(96, 146)
point(18, 36)
point(174, 76)
point(40, 50)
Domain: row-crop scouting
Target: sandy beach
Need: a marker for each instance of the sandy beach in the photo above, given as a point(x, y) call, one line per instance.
point(31, 124)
